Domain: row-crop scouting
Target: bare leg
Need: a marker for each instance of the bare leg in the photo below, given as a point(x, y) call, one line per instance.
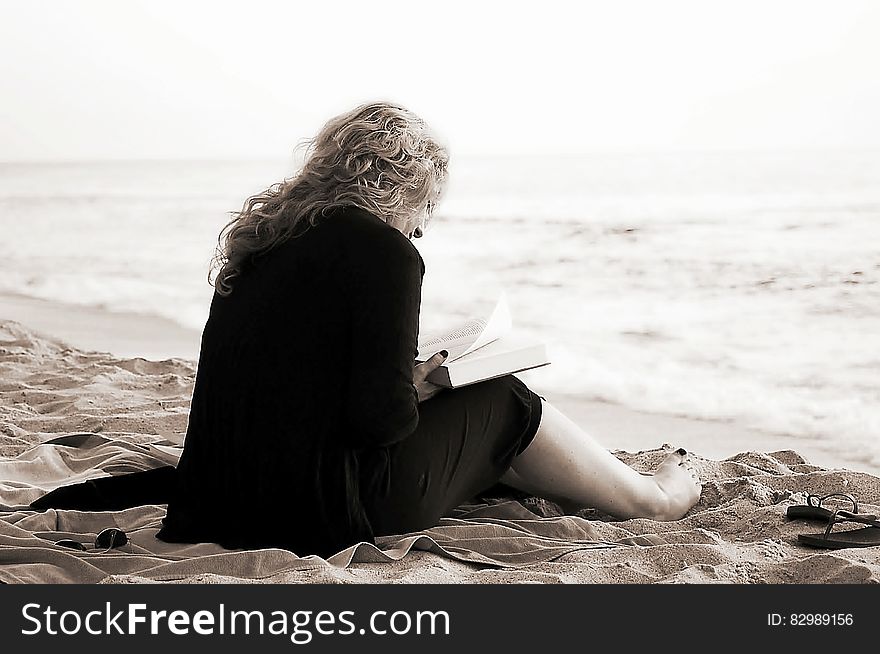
point(564, 463)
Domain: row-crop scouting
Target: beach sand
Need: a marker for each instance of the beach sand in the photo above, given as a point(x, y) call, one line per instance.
point(737, 533)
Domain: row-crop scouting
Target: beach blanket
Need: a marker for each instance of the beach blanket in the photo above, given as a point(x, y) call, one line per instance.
point(501, 533)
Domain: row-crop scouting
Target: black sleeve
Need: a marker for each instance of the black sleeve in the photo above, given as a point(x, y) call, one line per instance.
point(382, 403)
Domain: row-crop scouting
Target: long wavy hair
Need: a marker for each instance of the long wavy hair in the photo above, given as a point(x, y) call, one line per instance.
point(379, 157)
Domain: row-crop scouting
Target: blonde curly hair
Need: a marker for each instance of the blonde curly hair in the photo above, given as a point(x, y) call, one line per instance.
point(379, 157)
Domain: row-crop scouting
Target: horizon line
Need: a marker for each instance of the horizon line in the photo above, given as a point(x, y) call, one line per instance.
point(244, 158)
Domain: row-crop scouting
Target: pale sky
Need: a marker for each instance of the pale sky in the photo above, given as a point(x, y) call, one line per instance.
point(183, 79)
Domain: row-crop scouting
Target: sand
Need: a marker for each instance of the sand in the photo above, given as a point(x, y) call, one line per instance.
point(737, 533)
point(123, 334)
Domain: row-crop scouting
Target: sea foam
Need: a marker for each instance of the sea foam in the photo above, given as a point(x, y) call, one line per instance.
point(740, 286)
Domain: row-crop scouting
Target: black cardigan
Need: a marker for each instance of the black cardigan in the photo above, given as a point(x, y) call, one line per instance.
point(308, 362)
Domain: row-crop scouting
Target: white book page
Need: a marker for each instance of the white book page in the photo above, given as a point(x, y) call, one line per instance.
point(469, 335)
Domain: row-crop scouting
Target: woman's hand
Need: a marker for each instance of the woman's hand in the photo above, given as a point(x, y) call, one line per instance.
point(426, 389)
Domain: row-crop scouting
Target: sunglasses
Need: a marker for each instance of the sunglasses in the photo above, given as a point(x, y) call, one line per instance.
point(106, 540)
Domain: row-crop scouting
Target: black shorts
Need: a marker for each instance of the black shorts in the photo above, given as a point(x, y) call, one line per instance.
point(465, 441)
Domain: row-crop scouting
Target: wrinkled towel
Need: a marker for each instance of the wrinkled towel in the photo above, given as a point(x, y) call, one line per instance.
point(501, 533)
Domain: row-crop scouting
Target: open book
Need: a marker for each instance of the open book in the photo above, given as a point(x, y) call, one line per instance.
point(481, 349)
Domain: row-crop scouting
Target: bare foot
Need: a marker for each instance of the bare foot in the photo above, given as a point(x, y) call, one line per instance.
point(678, 485)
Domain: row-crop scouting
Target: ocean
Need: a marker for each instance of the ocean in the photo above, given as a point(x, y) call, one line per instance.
point(730, 286)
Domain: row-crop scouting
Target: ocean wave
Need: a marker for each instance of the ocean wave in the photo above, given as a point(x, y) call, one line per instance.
point(740, 288)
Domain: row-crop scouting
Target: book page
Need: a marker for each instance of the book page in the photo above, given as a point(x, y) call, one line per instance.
point(469, 335)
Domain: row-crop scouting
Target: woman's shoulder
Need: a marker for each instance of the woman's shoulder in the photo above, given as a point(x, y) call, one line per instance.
point(356, 220)
point(369, 236)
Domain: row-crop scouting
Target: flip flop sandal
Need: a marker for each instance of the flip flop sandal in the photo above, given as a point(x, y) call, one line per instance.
point(813, 509)
point(863, 537)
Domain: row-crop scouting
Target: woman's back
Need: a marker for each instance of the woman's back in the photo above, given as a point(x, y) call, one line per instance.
point(280, 406)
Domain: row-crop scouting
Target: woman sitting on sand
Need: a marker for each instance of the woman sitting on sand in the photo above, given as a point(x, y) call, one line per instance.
point(311, 426)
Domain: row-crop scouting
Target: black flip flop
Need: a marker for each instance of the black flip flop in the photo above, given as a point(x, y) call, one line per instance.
point(813, 509)
point(864, 537)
